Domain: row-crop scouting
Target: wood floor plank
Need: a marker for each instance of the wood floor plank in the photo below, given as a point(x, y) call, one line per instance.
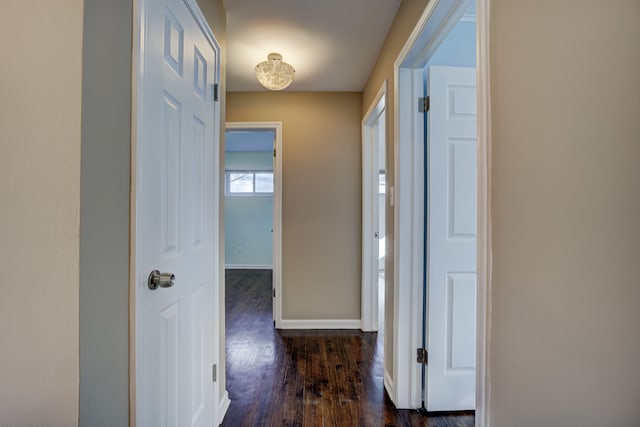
point(305, 378)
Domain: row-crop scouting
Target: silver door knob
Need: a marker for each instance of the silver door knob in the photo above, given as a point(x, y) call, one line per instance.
point(160, 280)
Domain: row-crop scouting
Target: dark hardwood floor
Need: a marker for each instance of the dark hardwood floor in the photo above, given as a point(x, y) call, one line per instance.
point(304, 378)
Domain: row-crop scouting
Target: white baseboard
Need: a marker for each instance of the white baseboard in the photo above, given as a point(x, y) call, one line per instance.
point(248, 267)
point(388, 385)
point(320, 324)
point(364, 327)
point(223, 405)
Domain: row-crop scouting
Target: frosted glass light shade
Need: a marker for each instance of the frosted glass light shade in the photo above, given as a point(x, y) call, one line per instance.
point(275, 74)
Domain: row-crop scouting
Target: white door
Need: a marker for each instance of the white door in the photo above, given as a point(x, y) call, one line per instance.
point(451, 239)
point(174, 218)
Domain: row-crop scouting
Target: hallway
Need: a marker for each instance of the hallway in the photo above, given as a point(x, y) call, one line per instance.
point(304, 378)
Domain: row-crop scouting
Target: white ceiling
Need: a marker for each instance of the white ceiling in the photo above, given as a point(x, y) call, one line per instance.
point(332, 44)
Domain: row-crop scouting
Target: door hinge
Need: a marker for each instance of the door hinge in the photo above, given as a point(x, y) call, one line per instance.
point(216, 95)
point(274, 292)
point(423, 356)
point(214, 373)
point(274, 152)
point(424, 104)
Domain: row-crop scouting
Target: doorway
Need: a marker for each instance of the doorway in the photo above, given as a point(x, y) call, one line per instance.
point(253, 201)
point(248, 200)
point(374, 141)
point(433, 27)
point(450, 221)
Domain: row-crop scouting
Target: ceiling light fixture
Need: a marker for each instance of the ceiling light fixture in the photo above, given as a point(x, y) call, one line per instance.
point(275, 74)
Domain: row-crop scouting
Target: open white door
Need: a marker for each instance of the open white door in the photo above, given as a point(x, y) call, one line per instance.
point(451, 239)
point(174, 202)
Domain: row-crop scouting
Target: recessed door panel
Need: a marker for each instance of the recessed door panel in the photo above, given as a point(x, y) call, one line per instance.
point(461, 322)
point(198, 342)
point(199, 73)
point(461, 188)
point(172, 132)
point(170, 365)
point(173, 42)
point(197, 182)
point(462, 102)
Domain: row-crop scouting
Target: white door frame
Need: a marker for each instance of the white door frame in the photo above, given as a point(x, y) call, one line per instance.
point(276, 127)
point(370, 202)
point(137, 76)
point(437, 19)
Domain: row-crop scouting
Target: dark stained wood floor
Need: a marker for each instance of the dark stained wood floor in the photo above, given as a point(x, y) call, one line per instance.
point(304, 378)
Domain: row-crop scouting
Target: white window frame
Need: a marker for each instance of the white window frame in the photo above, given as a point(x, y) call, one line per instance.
point(254, 193)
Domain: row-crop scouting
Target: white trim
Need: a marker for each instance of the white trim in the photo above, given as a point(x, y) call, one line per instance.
point(409, 191)
point(375, 109)
point(405, 342)
point(218, 246)
point(468, 17)
point(407, 57)
point(223, 406)
point(388, 383)
point(277, 209)
point(408, 243)
point(248, 267)
point(447, 22)
point(485, 251)
point(370, 201)
point(319, 324)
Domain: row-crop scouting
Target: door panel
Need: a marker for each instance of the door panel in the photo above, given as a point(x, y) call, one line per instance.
point(461, 322)
point(451, 240)
point(174, 221)
point(170, 365)
point(199, 378)
point(170, 184)
point(462, 188)
point(197, 169)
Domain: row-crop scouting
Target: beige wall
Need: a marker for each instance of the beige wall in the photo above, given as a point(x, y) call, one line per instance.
point(321, 208)
point(216, 15)
point(566, 210)
point(40, 101)
point(406, 18)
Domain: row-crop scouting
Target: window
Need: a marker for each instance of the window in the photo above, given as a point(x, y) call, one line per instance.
point(249, 183)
